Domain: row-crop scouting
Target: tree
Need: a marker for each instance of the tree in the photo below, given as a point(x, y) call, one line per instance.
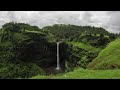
point(112, 36)
point(101, 35)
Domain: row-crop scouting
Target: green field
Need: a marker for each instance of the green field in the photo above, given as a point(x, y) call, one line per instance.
point(84, 74)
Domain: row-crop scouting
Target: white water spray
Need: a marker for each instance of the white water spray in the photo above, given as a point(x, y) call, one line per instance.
point(58, 58)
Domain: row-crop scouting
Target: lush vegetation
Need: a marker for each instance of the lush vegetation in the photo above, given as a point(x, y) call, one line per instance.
point(66, 31)
point(86, 34)
point(27, 51)
point(22, 70)
point(20, 50)
point(81, 55)
point(21, 45)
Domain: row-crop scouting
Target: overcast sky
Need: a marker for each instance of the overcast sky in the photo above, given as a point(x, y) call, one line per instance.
point(110, 20)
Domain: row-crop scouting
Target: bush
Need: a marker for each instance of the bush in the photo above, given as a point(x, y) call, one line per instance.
point(22, 70)
point(83, 62)
point(80, 57)
point(6, 52)
point(69, 66)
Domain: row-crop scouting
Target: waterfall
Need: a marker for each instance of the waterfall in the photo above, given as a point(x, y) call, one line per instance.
point(58, 58)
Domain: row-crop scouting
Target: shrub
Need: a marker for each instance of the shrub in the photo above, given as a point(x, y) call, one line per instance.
point(22, 70)
point(80, 57)
point(69, 66)
point(83, 62)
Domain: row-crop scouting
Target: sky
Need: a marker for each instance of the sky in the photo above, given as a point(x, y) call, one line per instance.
point(110, 20)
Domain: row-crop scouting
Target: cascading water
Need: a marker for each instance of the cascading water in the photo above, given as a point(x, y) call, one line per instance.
point(58, 58)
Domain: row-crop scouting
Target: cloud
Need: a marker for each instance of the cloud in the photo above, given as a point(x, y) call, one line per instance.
point(107, 19)
point(87, 17)
point(113, 24)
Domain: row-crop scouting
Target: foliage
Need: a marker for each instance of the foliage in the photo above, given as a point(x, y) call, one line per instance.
point(83, 62)
point(26, 50)
point(80, 56)
point(18, 27)
point(98, 40)
point(63, 31)
point(12, 71)
point(6, 52)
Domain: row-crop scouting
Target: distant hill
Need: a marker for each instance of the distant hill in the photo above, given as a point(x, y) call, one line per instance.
point(95, 36)
point(108, 58)
point(66, 31)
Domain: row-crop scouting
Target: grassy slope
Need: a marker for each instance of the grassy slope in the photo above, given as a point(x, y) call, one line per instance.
point(33, 31)
point(85, 74)
point(85, 46)
point(108, 58)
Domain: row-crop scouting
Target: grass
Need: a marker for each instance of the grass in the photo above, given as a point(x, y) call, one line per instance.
point(85, 46)
point(33, 31)
point(84, 74)
point(108, 58)
point(99, 35)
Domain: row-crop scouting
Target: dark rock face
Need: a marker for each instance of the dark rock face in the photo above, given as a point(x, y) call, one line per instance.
point(63, 55)
point(45, 55)
point(52, 64)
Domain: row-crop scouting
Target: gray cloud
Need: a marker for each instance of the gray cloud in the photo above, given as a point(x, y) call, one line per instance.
point(11, 15)
point(87, 17)
point(113, 24)
point(107, 19)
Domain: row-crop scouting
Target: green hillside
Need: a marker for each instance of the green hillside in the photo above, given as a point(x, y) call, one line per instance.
point(84, 74)
point(108, 58)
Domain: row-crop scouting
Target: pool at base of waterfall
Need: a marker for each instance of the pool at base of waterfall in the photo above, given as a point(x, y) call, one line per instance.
point(53, 70)
point(58, 70)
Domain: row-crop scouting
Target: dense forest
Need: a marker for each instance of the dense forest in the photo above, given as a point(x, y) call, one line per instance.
point(26, 50)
